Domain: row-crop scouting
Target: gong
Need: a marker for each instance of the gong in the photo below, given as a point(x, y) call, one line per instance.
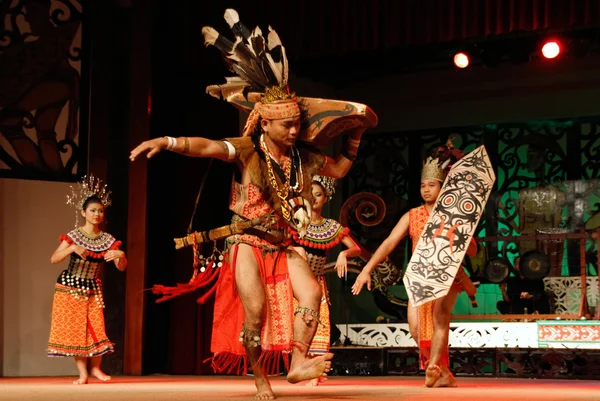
point(496, 270)
point(534, 265)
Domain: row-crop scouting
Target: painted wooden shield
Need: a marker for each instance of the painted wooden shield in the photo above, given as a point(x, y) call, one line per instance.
point(451, 225)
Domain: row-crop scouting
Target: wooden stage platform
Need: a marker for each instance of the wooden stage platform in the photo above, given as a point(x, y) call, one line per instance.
point(208, 388)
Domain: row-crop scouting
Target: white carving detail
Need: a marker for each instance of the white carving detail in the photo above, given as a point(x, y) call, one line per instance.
point(462, 335)
point(567, 293)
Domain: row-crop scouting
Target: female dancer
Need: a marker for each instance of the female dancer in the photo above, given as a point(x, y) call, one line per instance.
point(77, 310)
point(322, 235)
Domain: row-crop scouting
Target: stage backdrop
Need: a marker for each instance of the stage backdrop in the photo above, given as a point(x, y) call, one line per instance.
point(547, 177)
point(32, 216)
point(41, 94)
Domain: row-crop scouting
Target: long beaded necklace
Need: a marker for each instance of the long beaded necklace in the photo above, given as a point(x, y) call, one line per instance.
point(299, 185)
point(282, 193)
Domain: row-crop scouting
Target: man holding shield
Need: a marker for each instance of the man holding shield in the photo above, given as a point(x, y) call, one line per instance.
point(429, 306)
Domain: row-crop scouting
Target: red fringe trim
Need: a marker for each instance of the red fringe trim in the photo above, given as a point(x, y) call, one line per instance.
point(235, 364)
point(205, 279)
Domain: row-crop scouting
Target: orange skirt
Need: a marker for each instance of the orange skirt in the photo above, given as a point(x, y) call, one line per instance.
point(77, 327)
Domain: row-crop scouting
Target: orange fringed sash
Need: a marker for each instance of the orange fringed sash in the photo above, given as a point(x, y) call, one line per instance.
point(276, 337)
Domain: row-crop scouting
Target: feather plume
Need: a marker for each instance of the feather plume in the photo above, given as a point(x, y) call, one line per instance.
point(233, 20)
point(260, 62)
point(213, 38)
point(258, 42)
point(210, 35)
point(257, 68)
point(241, 51)
point(273, 39)
point(231, 17)
point(275, 67)
point(278, 53)
point(284, 69)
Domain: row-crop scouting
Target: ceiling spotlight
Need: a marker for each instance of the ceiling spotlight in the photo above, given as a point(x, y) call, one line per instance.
point(551, 49)
point(461, 60)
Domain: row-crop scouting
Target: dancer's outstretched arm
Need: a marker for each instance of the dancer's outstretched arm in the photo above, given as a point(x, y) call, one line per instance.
point(353, 250)
point(380, 254)
point(192, 146)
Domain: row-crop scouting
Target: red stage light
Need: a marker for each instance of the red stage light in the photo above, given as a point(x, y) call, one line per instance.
point(461, 60)
point(551, 49)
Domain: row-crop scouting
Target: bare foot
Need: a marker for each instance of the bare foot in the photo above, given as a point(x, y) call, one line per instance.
point(81, 380)
point(263, 389)
point(100, 375)
point(432, 375)
point(446, 379)
point(313, 383)
point(310, 368)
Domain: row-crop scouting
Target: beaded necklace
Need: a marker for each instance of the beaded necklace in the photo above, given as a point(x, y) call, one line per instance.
point(284, 193)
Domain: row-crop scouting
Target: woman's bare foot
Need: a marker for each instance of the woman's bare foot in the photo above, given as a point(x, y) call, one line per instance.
point(100, 375)
point(446, 379)
point(432, 375)
point(263, 389)
point(81, 380)
point(310, 368)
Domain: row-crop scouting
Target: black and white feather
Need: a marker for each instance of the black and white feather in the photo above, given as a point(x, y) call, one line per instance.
point(260, 63)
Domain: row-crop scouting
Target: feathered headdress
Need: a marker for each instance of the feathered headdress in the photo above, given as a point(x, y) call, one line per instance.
point(327, 183)
point(261, 86)
point(436, 167)
point(259, 64)
point(89, 186)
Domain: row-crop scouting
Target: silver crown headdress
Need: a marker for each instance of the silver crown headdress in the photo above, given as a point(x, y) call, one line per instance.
point(327, 183)
point(89, 187)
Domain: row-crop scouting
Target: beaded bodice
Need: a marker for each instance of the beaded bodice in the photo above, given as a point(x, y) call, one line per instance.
point(317, 261)
point(82, 277)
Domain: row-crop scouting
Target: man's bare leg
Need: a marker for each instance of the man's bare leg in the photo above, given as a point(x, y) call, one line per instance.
point(252, 295)
point(413, 322)
point(308, 293)
point(441, 330)
point(432, 373)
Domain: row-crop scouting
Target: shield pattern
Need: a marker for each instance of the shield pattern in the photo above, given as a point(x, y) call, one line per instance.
point(451, 225)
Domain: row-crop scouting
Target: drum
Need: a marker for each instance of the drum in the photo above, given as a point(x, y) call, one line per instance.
point(553, 248)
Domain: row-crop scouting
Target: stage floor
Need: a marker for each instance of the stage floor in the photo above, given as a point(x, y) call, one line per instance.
point(206, 388)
